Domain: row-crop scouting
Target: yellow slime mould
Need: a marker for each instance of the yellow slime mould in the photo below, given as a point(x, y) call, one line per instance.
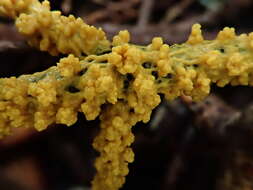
point(126, 79)
point(52, 32)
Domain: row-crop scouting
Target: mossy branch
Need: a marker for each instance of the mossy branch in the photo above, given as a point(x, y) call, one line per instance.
point(52, 32)
point(182, 69)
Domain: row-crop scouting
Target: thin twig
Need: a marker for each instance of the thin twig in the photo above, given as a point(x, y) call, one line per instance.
point(145, 12)
point(176, 10)
point(6, 45)
point(115, 11)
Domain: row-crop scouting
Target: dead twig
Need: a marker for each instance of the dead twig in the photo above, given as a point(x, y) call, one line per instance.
point(145, 13)
point(13, 46)
point(117, 12)
point(175, 11)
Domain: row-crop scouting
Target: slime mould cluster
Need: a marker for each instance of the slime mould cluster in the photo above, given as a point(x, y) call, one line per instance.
point(125, 78)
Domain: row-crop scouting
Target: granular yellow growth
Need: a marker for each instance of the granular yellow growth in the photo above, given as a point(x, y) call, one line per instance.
point(52, 32)
point(126, 80)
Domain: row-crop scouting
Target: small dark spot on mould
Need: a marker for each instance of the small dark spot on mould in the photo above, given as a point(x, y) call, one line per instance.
point(222, 50)
point(72, 89)
point(131, 110)
point(104, 61)
point(104, 52)
point(125, 84)
point(83, 71)
point(83, 54)
point(90, 60)
point(155, 74)
point(168, 76)
point(147, 65)
point(129, 77)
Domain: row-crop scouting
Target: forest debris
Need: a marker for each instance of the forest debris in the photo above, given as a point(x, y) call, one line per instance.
point(176, 10)
point(19, 135)
point(213, 113)
point(145, 13)
point(66, 6)
point(6, 45)
point(116, 12)
point(9, 32)
point(26, 172)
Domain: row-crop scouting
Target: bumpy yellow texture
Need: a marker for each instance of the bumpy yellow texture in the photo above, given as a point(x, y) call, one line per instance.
point(52, 32)
point(126, 80)
point(12, 8)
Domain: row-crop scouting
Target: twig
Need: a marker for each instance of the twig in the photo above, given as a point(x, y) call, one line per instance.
point(13, 46)
point(144, 13)
point(66, 6)
point(176, 11)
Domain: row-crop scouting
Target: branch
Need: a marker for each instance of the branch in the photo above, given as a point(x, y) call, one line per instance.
point(52, 32)
point(145, 12)
point(125, 79)
point(45, 98)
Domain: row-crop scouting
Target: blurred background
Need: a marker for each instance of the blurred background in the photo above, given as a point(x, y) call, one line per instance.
point(186, 145)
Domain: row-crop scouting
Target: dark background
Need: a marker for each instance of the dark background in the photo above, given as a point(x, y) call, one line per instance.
point(185, 146)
